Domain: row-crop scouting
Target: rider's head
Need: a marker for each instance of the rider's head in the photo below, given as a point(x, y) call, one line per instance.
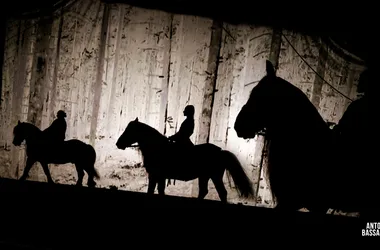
point(189, 111)
point(61, 114)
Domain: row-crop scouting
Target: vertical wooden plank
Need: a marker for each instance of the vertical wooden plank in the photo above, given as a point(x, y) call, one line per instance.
point(318, 81)
point(54, 70)
point(166, 57)
point(158, 69)
point(107, 97)
point(21, 84)
point(90, 52)
point(115, 35)
point(11, 50)
point(99, 76)
point(209, 88)
point(3, 26)
point(12, 40)
point(66, 69)
point(220, 113)
point(52, 55)
point(39, 82)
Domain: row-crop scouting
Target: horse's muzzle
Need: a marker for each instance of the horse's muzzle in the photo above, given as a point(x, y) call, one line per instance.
point(120, 146)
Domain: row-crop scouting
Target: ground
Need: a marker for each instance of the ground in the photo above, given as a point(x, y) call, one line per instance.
point(132, 177)
point(129, 177)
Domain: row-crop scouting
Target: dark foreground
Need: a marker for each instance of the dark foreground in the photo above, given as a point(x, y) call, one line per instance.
point(40, 216)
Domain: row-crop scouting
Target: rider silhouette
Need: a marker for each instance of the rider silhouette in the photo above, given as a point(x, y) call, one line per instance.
point(354, 122)
point(353, 128)
point(56, 133)
point(182, 137)
point(356, 131)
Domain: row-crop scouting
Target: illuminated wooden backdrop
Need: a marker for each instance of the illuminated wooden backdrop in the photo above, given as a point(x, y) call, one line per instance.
point(108, 64)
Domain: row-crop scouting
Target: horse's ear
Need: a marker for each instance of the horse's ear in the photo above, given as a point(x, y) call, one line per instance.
point(137, 119)
point(19, 122)
point(270, 69)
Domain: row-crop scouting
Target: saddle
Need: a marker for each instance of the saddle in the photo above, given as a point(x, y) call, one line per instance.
point(181, 152)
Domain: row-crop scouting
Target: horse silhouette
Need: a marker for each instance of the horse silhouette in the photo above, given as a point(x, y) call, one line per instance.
point(164, 160)
point(306, 165)
point(38, 149)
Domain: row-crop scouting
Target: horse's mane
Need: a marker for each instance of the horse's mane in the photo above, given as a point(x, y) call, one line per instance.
point(296, 101)
point(152, 133)
point(32, 127)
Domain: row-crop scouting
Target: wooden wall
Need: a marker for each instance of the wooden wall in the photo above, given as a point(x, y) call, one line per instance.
point(108, 64)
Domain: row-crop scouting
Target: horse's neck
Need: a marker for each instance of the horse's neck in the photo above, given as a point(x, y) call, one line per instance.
point(34, 134)
point(152, 141)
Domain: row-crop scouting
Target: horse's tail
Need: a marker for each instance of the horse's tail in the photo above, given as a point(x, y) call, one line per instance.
point(242, 182)
point(92, 159)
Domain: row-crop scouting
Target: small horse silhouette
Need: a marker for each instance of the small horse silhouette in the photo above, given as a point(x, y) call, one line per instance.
point(306, 166)
point(164, 160)
point(70, 151)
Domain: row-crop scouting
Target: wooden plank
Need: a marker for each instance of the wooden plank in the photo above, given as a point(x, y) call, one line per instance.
point(52, 55)
point(75, 95)
point(21, 83)
point(11, 48)
point(318, 81)
point(220, 113)
point(38, 84)
point(89, 60)
point(53, 68)
point(209, 88)
point(9, 68)
point(99, 76)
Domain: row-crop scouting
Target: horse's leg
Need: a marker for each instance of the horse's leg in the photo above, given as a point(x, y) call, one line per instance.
point(161, 186)
point(152, 184)
point(80, 172)
point(203, 187)
point(90, 181)
point(219, 186)
point(45, 167)
point(90, 174)
point(28, 166)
